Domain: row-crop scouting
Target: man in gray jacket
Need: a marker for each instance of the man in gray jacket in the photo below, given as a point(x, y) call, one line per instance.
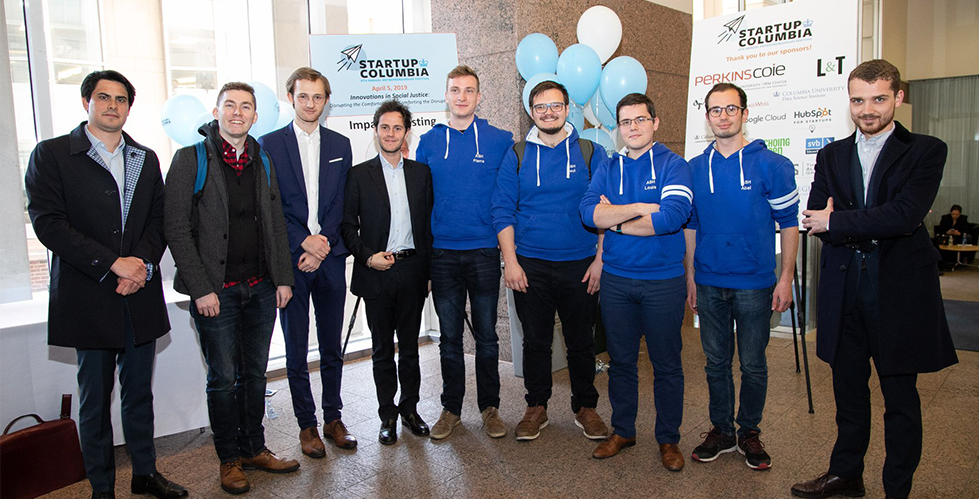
point(228, 240)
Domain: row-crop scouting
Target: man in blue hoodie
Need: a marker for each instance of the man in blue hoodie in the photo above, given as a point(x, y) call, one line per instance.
point(464, 158)
point(642, 196)
point(741, 190)
point(553, 262)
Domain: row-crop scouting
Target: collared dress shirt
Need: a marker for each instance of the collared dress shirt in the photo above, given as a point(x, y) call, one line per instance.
point(399, 237)
point(868, 149)
point(309, 153)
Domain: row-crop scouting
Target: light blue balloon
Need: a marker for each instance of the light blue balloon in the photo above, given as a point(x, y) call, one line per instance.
point(580, 70)
point(179, 118)
point(286, 115)
point(202, 119)
point(601, 111)
point(267, 106)
point(532, 82)
point(536, 53)
point(600, 137)
point(621, 76)
point(576, 116)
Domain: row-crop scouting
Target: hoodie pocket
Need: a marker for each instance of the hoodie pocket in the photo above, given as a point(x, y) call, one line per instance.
point(553, 231)
point(727, 254)
point(461, 219)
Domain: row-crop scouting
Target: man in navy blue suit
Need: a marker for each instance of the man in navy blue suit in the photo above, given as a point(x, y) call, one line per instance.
point(312, 164)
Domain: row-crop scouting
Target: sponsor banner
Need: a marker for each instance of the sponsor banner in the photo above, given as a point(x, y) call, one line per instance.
point(792, 60)
point(365, 70)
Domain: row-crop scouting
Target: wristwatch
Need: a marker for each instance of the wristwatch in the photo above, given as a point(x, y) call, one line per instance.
point(618, 229)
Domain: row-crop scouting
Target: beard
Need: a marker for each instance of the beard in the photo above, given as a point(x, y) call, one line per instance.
point(730, 132)
point(384, 148)
point(883, 121)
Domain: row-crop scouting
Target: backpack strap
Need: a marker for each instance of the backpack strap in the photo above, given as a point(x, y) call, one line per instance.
point(587, 151)
point(519, 148)
point(268, 168)
point(201, 166)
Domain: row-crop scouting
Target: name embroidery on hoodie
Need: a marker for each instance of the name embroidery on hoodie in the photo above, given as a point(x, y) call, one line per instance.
point(650, 185)
point(746, 186)
point(478, 158)
point(573, 168)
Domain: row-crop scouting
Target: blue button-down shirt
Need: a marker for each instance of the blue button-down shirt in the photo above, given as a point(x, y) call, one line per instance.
point(399, 237)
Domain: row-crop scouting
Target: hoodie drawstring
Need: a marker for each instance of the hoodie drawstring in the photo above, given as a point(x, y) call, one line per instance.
point(567, 152)
point(476, 132)
point(652, 171)
point(710, 168)
point(538, 166)
point(621, 174)
point(446, 143)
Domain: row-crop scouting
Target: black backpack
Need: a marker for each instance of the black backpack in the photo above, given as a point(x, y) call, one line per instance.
point(587, 151)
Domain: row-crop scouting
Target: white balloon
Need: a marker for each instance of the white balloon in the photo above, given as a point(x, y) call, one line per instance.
point(590, 115)
point(600, 28)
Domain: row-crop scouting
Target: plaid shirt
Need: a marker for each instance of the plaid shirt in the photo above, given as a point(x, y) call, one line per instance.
point(231, 157)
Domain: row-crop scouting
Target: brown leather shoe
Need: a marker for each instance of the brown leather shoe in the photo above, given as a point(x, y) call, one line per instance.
point(337, 432)
point(591, 423)
point(672, 459)
point(827, 485)
point(611, 446)
point(233, 480)
point(266, 461)
point(310, 442)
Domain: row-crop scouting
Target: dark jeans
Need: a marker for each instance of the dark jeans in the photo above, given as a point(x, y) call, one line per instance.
point(902, 407)
point(456, 273)
point(720, 309)
point(236, 350)
point(96, 373)
point(397, 310)
point(557, 287)
point(328, 288)
point(631, 309)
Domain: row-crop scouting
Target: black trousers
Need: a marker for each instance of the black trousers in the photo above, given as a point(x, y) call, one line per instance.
point(902, 407)
point(397, 310)
point(556, 286)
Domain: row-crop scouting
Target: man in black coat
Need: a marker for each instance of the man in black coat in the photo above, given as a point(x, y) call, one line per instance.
point(95, 197)
point(386, 227)
point(879, 295)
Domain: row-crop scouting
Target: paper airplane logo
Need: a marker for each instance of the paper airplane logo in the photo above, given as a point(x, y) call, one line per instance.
point(729, 30)
point(350, 55)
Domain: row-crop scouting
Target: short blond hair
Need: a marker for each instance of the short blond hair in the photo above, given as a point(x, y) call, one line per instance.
point(459, 71)
point(310, 74)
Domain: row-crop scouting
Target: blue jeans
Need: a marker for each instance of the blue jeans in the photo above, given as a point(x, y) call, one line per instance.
point(719, 309)
point(631, 309)
point(456, 273)
point(236, 349)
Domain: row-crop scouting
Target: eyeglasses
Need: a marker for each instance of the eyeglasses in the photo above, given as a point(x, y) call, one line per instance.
point(640, 121)
point(557, 107)
point(317, 98)
point(730, 109)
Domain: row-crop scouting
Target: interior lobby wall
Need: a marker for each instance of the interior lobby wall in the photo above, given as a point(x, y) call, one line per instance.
point(488, 33)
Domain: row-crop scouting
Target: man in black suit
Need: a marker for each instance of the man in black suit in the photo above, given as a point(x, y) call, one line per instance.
point(386, 227)
point(95, 197)
point(879, 295)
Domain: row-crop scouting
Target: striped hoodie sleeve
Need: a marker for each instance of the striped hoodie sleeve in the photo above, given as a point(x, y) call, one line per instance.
point(783, 195)
point(676, 198)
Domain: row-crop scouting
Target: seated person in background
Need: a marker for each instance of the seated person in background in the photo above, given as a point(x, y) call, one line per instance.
point(955, 225)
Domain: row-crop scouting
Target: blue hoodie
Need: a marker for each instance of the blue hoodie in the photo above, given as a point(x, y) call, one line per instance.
point(541, 201)
point(464, 167)
point(736, 204)
point(665, 181)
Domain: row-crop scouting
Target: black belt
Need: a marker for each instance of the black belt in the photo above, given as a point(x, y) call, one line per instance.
point(863, 247)
point(401, 255)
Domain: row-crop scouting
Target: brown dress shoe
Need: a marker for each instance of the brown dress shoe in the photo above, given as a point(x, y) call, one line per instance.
point(337, 432)
point(266, 461)
point(233, 480)
point(612, 446)
point(827, 485)
point(310, 442)
point(672, 459)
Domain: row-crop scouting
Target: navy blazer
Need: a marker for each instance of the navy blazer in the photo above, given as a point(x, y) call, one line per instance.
point(914, 334)
point(336, 159)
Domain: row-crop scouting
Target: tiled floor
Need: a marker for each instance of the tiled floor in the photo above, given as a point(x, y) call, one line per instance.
point(559, 463)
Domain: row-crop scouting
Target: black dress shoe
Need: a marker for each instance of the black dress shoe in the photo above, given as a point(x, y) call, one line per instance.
point(827, 485)
point(414, 423)
point(389, 432)
point(157, 485)
point(103, 495)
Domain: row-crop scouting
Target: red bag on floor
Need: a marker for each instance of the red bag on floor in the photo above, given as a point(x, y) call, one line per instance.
point(41, 458)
